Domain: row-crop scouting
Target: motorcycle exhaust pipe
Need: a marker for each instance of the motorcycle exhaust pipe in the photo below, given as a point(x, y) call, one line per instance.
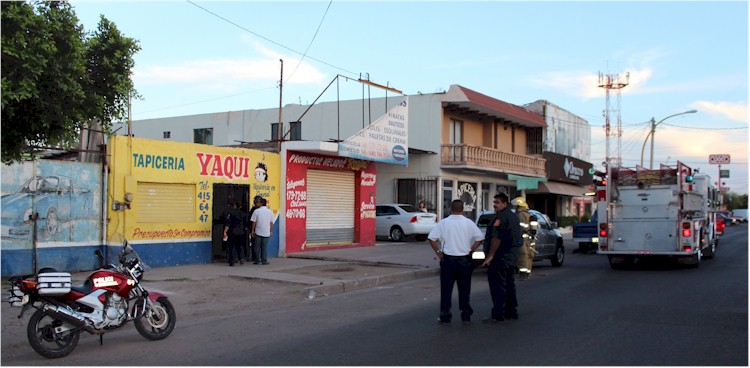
point(68, 316)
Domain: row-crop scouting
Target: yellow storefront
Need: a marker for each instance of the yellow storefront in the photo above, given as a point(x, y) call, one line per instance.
point(163, 196)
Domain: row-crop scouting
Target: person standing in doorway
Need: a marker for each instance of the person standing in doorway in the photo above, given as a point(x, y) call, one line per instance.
point(235, 233)
point(262, 230)
point(504, 235)
point(526, 252)
point(251, 253)
point(458, 237)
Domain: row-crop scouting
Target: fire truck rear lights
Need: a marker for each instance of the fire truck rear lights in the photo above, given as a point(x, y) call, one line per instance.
point(687, 249)
point(686, 231)
point(603, 230)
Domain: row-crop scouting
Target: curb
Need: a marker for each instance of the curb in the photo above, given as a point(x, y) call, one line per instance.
point(367, 282)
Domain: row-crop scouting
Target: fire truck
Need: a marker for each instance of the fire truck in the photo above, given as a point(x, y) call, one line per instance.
point(667, 212)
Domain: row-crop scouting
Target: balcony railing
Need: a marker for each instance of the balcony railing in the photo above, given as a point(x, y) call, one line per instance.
point(486, 158)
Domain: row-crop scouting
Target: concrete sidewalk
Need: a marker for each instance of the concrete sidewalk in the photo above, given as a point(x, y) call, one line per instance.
point(323, 272)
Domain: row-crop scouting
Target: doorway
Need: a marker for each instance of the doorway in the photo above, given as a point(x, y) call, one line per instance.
point(224, 194)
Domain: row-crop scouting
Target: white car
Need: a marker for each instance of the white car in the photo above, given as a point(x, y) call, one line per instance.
point(397, 221)
point(549, 241)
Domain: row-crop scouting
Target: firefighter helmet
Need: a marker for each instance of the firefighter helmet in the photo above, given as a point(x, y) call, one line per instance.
point(519, 202)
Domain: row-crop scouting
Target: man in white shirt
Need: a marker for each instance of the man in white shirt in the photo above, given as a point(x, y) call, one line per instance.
point(458, 237)
point(262, 230)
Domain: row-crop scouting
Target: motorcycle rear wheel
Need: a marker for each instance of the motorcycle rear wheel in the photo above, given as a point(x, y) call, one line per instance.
point(45, 341)
point(157, 323)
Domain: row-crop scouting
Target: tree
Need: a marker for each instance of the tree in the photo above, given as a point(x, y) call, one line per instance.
point(57, 79)
point(735, 200)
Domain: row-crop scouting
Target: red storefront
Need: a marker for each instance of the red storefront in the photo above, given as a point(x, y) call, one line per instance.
point(330, 202)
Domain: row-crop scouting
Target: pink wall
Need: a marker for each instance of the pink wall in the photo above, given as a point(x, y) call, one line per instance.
point(296, 198)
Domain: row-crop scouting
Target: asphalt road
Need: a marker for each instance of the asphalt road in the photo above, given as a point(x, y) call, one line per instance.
point(582, 313)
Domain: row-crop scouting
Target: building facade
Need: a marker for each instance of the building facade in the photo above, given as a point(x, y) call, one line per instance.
point(462, 144)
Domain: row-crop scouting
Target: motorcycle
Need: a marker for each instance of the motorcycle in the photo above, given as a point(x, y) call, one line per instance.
point(109, 298)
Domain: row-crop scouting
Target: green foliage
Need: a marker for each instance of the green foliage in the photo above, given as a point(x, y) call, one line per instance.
point(566, 221)
point(735, 201)
point(56, 79)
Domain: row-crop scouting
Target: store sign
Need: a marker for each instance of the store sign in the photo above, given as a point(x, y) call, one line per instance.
point(720, 159)
point(385, 140)
point(568, 169)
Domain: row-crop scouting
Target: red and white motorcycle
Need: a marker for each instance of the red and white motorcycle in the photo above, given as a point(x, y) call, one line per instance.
point(108, 298)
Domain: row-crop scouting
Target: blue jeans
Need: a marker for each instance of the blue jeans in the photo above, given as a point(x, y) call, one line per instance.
point(260, 246)
point(455, 270)
point(502, 287)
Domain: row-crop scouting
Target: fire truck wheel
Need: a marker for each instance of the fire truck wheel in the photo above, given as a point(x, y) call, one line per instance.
point(709, 252)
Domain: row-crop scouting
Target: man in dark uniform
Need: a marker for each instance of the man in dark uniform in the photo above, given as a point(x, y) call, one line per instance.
point(504, 238)
point(235, 227)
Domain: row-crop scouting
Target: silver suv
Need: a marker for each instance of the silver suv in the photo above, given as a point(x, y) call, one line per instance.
point(549, 242)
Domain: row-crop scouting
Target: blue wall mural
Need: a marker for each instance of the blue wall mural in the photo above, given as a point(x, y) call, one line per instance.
point(67, 197)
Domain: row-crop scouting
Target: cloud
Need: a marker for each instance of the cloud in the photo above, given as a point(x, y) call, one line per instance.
point(586, 84)
point(736, 111)
point(229, 74)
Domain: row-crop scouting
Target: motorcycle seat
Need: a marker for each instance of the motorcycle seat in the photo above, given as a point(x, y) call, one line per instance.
point(86, 288)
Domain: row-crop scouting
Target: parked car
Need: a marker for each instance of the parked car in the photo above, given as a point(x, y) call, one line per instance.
point(398, 221)
point(740, 214)
point(549, 242)
point(727, 219)
point(720, 225)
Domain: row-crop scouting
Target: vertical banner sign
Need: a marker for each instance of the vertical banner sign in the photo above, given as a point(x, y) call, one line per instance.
point(385, 140)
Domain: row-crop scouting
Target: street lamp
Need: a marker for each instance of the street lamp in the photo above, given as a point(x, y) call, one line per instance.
point(651, 133)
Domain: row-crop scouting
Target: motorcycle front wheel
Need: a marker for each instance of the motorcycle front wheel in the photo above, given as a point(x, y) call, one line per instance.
point(157, 322)
point(48, 342)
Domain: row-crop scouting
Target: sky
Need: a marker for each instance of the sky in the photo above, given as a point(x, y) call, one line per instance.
point(214, 56)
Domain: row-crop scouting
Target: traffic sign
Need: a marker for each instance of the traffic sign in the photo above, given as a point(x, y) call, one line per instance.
point(723, 189)
point(724, 173)
point(719, 159)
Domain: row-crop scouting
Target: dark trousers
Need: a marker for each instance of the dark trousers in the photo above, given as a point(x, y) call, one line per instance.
point(455, 270)
point(502, 288)
point(260, 246)
point(235, 243)
point(251, 251)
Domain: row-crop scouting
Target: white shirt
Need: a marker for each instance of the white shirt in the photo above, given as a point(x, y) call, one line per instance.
point(263, 219)
point(456, 234)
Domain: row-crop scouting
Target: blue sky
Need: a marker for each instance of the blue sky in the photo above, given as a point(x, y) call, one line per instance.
point(680, 56)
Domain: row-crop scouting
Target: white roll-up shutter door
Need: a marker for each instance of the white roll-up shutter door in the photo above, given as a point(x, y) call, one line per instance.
point(330, 207)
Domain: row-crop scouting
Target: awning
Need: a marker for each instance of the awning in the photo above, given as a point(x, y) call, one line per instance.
point(526, 182)
point(559, 188)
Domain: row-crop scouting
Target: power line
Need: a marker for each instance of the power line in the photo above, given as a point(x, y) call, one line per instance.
point(209, 100)
point(311, 41)
point(268, 39)
point(684, 127)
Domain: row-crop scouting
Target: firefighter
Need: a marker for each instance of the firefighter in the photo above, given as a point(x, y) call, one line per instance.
point(526, 255)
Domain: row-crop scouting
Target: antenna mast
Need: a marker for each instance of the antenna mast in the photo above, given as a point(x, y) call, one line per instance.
point(613, 82)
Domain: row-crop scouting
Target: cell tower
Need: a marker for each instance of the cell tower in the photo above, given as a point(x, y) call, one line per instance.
point(613, 82)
